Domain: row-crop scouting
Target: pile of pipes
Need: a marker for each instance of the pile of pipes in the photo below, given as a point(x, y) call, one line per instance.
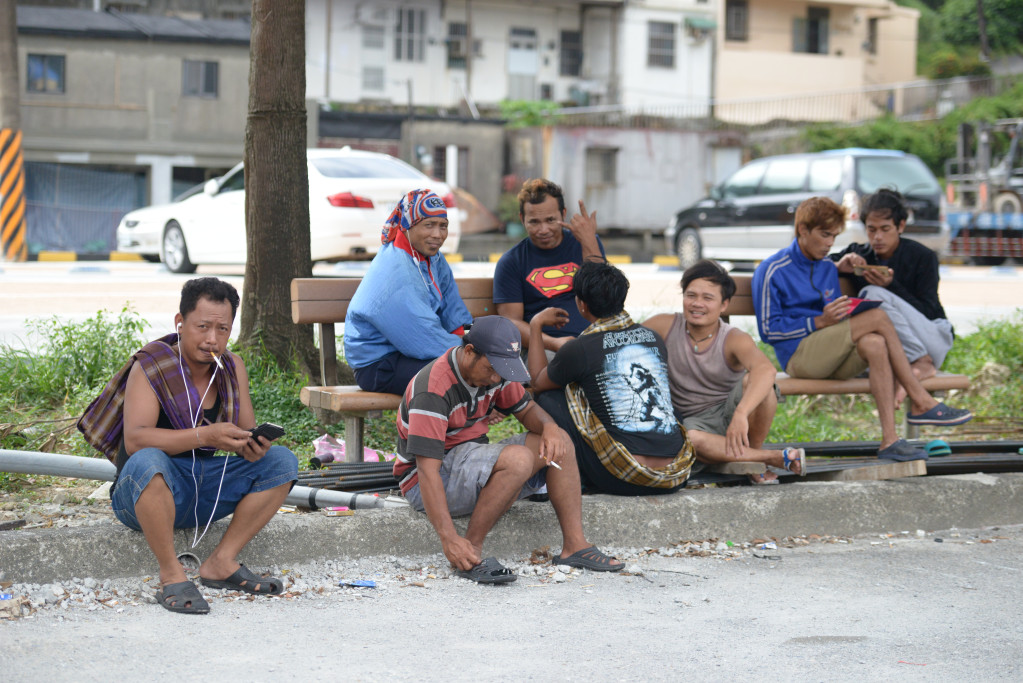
point(356, 477)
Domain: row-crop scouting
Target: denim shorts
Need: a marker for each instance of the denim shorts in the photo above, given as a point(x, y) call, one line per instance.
point(278, 466)
point(465, 471)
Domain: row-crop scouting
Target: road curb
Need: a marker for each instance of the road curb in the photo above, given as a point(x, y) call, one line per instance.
point(736, 514)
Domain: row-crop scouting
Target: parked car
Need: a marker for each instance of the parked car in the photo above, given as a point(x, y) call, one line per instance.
point(351, 194)
point(751, 215)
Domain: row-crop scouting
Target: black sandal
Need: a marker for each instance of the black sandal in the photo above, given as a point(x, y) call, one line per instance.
point(183, 598)
point(488, 571)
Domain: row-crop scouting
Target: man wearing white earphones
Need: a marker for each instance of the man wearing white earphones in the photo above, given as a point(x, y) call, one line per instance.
point(162, 419)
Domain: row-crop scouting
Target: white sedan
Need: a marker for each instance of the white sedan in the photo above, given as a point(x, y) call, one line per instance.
point(351, 194)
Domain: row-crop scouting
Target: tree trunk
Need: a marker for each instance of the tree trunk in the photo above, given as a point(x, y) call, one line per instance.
point(12, 173)
point(276, 183)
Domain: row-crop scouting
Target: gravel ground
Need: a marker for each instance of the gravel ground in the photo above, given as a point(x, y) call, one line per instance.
point(872, 607)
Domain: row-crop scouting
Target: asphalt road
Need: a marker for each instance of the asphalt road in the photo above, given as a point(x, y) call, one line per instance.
point(76, 290)
point(906, 608)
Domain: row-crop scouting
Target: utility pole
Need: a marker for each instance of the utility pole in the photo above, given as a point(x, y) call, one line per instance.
point(12, 170)
point(985, 53)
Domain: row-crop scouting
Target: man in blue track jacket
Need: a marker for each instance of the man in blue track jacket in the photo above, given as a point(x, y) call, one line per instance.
point(802, 313)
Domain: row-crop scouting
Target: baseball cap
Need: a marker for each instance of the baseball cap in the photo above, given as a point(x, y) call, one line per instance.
point(499, 340)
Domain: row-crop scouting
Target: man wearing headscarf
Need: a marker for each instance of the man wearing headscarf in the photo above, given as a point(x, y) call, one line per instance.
point(407, 310)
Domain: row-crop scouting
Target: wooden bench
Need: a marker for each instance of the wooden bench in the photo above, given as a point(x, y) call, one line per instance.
point(742, 304)
point(324, 302)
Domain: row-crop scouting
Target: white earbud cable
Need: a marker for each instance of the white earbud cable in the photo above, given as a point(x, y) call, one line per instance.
point(195, 423)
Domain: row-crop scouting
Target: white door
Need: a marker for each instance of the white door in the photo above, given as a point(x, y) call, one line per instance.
point(523, 62)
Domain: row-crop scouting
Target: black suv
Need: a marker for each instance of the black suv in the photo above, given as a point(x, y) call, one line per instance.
point(750, 215)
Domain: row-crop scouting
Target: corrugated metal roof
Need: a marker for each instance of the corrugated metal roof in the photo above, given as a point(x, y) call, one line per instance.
point(82, 23)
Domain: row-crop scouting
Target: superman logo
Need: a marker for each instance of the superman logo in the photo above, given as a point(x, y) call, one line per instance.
point(551, 281)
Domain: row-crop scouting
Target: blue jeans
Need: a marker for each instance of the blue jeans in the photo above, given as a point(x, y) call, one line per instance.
point(278, 466)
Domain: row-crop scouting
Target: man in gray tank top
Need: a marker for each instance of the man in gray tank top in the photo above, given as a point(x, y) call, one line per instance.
point(722, 385)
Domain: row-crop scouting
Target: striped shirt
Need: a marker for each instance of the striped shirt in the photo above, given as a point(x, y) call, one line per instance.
point(440, 411)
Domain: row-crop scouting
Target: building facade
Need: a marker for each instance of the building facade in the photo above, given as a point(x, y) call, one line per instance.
point(119, 110)
point(812, 61)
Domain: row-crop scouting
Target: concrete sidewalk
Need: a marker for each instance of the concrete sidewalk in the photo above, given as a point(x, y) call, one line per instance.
point(735, 514)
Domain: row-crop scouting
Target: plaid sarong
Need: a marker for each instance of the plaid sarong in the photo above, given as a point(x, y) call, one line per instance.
point(612, 454)
point(102, 423)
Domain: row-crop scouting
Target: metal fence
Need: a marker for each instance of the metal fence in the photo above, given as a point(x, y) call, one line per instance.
point(917, 100)
point(77, 208)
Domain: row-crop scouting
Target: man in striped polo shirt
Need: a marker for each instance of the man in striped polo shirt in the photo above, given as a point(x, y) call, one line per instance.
point(447, 466)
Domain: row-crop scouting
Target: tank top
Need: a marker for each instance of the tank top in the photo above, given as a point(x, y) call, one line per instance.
point(699, 379)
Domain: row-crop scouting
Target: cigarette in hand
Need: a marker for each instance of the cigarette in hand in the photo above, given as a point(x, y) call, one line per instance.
point(551, 463)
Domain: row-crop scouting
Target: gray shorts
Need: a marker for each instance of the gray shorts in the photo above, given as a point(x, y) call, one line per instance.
point(715, 420)
point(465, 471)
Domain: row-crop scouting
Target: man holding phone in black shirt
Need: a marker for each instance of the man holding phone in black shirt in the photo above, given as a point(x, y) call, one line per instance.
point(903, 275)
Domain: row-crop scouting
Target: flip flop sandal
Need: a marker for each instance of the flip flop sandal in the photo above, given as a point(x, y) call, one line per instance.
point(590, 558)
point(762, 480)
point(245, 581)
point(183, 598)
point(488, 571)
point(798, 455)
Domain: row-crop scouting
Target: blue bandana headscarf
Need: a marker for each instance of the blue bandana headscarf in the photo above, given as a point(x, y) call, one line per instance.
point(412, 208)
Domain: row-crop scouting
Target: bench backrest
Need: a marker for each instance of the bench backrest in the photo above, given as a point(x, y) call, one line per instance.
point(326, 299)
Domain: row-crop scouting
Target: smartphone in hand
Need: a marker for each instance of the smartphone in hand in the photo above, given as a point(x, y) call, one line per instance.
point(268, 431)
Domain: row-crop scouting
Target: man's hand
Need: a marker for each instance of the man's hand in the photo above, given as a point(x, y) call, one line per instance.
point(554, 443)
point(460, 553)
point(550, 317)
point(494, 417)
point(848, 262)
point(582, 225)
point(878, 277)
point(834, 313)
point(224, 436)
point(255, 448)
point(737, 437)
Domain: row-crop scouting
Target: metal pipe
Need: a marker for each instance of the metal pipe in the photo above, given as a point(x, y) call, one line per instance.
point(100, 469)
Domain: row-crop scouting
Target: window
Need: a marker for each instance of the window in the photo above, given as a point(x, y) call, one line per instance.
point(440, 165)
point(546, 91)
point(410, 35)
point(233, 183)
point(458, 34)
point(601, 166)
point(744, 182)
point(198, 79)
point(871, 45)
point(736, 20)
point(661, 44)
point(785, 176)
point(373, 78)
point(571, 53)
point(45, 74)
point(811, 34)
point(372, 37)
point(825, 175)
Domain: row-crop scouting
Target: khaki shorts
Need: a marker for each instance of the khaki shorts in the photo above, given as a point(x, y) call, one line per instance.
point(827, 354)
point(715, 420)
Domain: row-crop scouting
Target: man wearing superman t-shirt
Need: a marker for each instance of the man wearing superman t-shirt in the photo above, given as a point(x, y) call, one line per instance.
point(538, 272)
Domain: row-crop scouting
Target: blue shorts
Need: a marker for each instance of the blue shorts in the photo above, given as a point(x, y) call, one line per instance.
point(278, 466)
